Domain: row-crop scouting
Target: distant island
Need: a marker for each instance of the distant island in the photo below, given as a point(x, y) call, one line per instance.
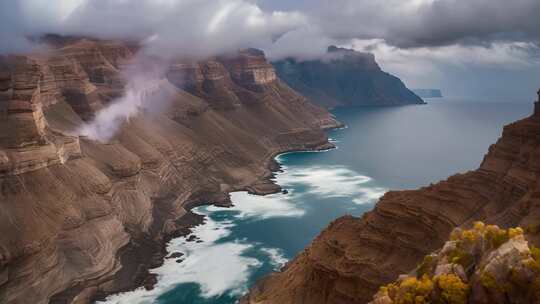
point(428, 93)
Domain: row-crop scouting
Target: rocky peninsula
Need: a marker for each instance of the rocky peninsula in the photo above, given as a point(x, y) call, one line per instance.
point(345, 77)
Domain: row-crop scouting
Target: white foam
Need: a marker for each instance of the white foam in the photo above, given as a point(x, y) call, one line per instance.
point(262, 207)
point(333, 181)
point(223, 267)
point(217, 267)
point(277, 258)
point(369, 195)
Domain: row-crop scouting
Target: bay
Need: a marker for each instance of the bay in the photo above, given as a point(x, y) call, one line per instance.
point(381, 149)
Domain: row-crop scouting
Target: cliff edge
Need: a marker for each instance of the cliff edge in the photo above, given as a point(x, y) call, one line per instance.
point(345, 77)
point(485, 264)
point(81, 218)
point(352, 257)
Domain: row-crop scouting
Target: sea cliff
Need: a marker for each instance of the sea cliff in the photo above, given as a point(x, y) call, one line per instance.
point(82, 218)
point(353, 257)
point(344, 77)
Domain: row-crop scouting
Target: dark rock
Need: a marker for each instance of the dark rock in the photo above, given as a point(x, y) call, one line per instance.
point(175, 255)
point(345, 78)
point(191, 238)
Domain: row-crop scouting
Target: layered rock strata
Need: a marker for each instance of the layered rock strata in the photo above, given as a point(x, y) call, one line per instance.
point(80, 218)
point(352, 257)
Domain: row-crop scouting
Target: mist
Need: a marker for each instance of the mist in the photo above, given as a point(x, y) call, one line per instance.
point(425, 42)
point(143, 79)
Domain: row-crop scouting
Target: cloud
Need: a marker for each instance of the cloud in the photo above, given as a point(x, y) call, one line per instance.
point(190, 28)
point(433, 35)
point(207, 27)
point(425, 23)
point(503, 70)
point(143, 79)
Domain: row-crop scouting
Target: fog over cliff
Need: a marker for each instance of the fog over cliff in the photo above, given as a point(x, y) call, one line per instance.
point(428, 43)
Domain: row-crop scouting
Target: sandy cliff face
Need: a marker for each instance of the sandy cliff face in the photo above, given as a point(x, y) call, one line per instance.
point(80, 218)
point(345, 78)
point(352, 257)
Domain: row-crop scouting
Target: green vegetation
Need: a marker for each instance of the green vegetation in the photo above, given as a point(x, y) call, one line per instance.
point(453, 289)
point(410, 290)
point(489, 281)
point(458, 265)
point(426, 266)
point(447, 287)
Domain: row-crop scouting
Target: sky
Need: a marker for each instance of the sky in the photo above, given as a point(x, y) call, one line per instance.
point(473, 48)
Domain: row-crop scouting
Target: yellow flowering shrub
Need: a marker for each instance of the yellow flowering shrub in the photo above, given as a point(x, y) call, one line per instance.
point(425, 267)
point(409, 291)
point(489, 281)
point(495, 236)
point(461, 257)
point(453, 289)
point(513, 232)
point(469, 247)
point(479, 226)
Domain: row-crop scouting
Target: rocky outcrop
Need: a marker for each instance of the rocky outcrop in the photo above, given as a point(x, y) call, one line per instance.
point(80, 218)
point(27, 140)
point(485, 264)
point(345, 77)
point(352, 257)
point(229, 82)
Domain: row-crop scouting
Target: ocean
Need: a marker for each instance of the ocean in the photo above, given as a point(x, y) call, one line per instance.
point(381, 149)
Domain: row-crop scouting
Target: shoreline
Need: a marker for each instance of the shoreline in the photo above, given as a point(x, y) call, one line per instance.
point(202, 220)
point(141, 254)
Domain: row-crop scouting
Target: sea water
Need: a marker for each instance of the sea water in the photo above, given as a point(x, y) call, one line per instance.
point(381, 149)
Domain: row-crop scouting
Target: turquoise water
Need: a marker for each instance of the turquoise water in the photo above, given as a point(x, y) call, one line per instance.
point(382, 148)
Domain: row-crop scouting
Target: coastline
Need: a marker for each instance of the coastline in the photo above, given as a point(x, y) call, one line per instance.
point(344, 262)
point(141, 254)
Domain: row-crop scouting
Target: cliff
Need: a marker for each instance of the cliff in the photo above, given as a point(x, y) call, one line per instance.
point(81, 218)
point(352, 257)
point(345, 78)
point(485, 264)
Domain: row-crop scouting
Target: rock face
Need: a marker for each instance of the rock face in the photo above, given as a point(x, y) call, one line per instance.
point(485, 264)
point(81, 219)
point(352, 257)
point(345, 78)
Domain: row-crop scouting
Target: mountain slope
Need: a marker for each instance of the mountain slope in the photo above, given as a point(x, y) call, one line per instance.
point(81, 218)
point(345, 78)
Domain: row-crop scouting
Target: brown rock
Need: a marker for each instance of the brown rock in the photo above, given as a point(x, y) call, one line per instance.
point(352, 257)
point(81, 219)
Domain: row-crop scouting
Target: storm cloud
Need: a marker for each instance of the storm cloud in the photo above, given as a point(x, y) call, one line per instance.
point(496, 34)
point(423, 23)
point(198, 26)
point(191, 28)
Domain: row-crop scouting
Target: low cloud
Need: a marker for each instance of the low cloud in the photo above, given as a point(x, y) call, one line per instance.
point(427, 23)
point(168, 28)
point(444, 32)
point(208, 27)
point(143, 80)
